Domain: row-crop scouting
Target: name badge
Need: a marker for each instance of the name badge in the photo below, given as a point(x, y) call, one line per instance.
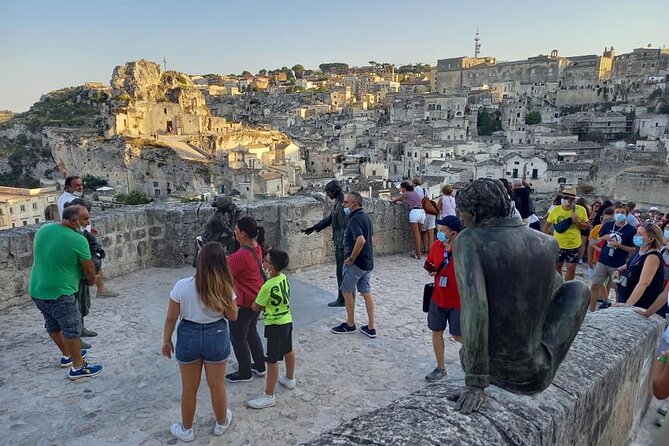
point(612, 251)
point(443, 281)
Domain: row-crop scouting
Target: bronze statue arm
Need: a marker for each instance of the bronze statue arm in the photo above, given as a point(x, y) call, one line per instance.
point(473, 317)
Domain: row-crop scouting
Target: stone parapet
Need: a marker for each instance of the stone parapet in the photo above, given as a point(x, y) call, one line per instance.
point(598, 396)
point(163, 235)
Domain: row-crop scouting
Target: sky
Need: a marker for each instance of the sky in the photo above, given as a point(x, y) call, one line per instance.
point(51, 44)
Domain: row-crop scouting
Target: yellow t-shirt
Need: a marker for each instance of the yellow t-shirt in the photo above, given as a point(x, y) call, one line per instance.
point(571, 238)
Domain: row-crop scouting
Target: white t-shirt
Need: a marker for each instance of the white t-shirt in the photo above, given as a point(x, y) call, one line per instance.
point(421, 191)
point(192, 308)
point(67, 197)
point(447, 205)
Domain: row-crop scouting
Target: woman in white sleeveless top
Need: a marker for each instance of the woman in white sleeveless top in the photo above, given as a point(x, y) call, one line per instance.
point(446, 203)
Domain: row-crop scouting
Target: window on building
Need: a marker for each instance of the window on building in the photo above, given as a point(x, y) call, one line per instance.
point(11, 210)
point(562, 180)
point(34, 206)
point(25, 222)
point(516, 163)
point(155, 184)
point(13, 225)
point(23, 208)
point(37, 220)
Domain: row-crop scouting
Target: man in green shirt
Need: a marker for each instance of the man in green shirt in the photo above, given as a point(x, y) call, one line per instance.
point(274, 299)
point(61, 255)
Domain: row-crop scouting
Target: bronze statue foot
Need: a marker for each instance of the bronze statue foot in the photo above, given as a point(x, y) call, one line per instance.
point(469, 399)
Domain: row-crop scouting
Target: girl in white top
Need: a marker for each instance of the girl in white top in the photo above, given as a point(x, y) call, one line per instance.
point(446, 203)
point(203, 303)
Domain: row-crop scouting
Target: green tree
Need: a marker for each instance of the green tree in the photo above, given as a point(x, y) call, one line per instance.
point(246, 74)
point(484, 123)
point(298, 69)
point(532, 118)
point(92, 182)
point(334, 67)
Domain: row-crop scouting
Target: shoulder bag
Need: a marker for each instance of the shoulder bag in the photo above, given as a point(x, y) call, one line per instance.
point(255, 256)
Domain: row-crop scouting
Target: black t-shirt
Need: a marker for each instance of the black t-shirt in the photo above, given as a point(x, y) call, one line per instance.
point(624, 236)
point(521, 197)
point(359, 223)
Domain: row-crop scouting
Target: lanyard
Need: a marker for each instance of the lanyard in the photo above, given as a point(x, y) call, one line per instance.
point(636, 257)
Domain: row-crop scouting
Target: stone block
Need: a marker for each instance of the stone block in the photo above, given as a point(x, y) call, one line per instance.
point(597, 397)
point(156, 232)
point(139, 234)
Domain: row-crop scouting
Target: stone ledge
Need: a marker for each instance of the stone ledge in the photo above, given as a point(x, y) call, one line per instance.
point(598, 396)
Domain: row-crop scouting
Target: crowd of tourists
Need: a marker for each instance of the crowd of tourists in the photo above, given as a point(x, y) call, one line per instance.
point(218, 308)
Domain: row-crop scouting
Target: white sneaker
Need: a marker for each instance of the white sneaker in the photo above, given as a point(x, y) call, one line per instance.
point(287, 383)
point(262, 401)
point(177, 430)
point(219, 429)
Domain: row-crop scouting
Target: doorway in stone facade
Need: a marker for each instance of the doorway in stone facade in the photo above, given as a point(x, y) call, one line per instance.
point(169, 127)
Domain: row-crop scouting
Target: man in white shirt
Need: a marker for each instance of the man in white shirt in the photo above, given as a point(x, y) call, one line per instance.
point(74, 188)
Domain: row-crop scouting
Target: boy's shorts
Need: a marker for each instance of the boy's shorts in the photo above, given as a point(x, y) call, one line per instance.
point(279, 341)
point(438, 318)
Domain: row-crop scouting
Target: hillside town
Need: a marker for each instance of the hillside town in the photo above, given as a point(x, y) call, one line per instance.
point(597, 122)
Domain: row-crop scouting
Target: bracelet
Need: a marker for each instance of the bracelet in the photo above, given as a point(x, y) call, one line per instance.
point(662, 358)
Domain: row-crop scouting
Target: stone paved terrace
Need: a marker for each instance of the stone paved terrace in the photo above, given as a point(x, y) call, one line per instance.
point(137, 396)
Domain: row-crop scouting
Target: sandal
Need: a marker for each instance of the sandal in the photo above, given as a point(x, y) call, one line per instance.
point(414, 256)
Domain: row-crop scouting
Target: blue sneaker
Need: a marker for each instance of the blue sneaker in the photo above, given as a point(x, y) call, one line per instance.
point(87, 371)
point(343, 328)
point(66, 361)
point(370, 332)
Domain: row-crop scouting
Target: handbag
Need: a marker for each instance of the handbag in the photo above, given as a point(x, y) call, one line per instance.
point(428, 289)
point(562, 226)
point(429, 206)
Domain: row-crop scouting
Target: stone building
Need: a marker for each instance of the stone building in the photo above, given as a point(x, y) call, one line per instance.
point(651, 126)
point(641, 63)
point(610, 124)
point(21, 207)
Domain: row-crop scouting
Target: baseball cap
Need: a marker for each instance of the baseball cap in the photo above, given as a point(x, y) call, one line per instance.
point(450, 221)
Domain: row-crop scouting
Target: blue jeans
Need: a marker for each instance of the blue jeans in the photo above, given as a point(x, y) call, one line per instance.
point(209, 342)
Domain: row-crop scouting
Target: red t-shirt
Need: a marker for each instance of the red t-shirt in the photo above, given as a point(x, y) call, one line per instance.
point(444, 296)
point(246, 275)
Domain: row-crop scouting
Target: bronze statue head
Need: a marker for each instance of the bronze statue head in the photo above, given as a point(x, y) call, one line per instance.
point(223, 204)
point(332, 189)
point(482, 201)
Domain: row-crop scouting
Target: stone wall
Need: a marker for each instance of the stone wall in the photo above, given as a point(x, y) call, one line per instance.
point(598, 396)
point(163, 235)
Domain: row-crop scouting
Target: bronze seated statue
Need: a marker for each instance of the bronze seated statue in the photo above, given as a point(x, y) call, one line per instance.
point(518, 319)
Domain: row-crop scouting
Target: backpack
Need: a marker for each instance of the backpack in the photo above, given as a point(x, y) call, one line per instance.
point(429, 206)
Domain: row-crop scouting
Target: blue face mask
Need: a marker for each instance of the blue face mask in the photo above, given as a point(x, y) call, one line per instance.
point(666, 234)
point(441, 237)
point(638, 241)
point(347, 211)
point(619, 218)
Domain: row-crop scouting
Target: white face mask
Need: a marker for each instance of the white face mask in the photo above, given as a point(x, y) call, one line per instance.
point(77, 193)
point(565, 202)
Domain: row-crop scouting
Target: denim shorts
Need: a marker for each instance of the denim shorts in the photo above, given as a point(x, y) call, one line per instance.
point(353, 276)
point(209, 342)
point(61, 314)
point(438, 318)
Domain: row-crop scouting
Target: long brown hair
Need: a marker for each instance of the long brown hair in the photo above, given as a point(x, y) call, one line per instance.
point(213, 281)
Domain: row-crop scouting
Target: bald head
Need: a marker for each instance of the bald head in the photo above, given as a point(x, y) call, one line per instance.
point(75, 216)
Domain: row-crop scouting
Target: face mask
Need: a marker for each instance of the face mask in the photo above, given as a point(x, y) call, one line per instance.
point(565, 202)
point(347, 211)
point(666, 234)
point(619, 218)
point(441, 237)
point(638, 241)
point(78, 194)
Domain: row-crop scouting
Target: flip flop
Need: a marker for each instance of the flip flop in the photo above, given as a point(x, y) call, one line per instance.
point(414, 256)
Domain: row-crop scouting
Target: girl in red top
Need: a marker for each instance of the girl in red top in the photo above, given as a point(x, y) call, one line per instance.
point(445, 304)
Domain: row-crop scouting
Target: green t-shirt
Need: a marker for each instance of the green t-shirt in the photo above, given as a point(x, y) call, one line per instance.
point(56, 269)
point(274, 295)
point(571, 238)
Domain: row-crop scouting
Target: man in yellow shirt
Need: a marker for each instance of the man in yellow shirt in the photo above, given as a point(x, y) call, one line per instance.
point(566, 221)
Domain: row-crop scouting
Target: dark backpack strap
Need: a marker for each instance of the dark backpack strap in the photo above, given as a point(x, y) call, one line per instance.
point(255, 256)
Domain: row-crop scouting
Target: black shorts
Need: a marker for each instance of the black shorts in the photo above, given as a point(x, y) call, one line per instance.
point(569, 256)
point(279, 341)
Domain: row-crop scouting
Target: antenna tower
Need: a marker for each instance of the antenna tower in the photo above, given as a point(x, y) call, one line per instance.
point(477, 43)
point(164, 64)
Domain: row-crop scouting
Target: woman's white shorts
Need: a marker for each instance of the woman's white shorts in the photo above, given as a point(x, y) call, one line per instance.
point(417, 216)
